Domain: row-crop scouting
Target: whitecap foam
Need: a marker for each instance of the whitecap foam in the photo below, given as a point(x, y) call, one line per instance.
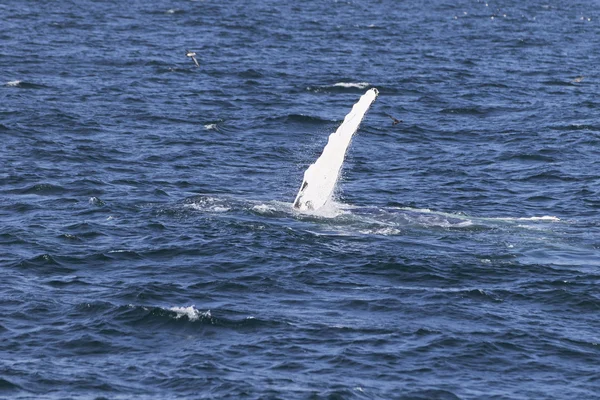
point(355, 85)
point(387, 231)
point(211, 127)
point(263, 208)
point(531, 227)
point(442, 222)
point(203, 207)
point(208, 204)
point(421, 210)
point(13, 83)
point(544, 218)
point(427, 217)
point(191, 312)
point(464, 224)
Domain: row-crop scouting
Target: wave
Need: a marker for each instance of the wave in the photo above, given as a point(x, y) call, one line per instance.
point(250, 74)
point(6, 385)
point(341, 87)
point(70, 238)
point(44, 189)
point(385, 231)
point(67, 281)
point(465, 110)
point(24, 85)
point(208, 204)
point(191, 313)
point(342, 219)
point(546, 218)
point(358, 85)
point(576, 127)
point(300, 118)
point(176, 316)
point(45, 264)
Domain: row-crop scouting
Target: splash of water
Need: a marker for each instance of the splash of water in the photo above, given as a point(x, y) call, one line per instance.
point(191, 312)
point(321, 177)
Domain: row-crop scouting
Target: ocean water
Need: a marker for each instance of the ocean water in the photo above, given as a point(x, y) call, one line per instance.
point(149, 249)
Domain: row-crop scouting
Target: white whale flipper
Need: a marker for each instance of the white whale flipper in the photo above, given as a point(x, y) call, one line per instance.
point(320, 178)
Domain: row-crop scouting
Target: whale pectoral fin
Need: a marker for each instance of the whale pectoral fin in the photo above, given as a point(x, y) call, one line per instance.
point(325, 171)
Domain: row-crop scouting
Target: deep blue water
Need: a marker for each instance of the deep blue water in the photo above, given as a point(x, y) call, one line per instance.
point(148, 245)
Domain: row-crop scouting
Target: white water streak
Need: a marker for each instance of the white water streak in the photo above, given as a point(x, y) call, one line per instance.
point(357, 85)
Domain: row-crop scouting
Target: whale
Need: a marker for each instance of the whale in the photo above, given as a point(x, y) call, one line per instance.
point(321, 177)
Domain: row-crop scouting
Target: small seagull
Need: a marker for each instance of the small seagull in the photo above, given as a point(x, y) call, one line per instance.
point(394, 120)
point(193, 56)
point(578, 79)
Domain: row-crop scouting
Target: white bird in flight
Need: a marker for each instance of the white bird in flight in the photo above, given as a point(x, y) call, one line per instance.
point(193, 56)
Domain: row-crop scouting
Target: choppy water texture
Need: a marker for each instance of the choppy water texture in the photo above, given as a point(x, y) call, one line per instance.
point(149, 249)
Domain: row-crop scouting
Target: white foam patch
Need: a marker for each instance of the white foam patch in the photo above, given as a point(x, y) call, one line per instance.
point(468, 220)
point(355, 85)
point(213, 208)
point(546, 218)
point(211, 127)
point(263, 208)
point(208, 204)
point(440, 219)
point(191, 312)
point(436, 221)
point(531, 227)
point(13, 83)
point(387, 231)
point(543, 219)
point(421, 210)
point(485, 291)
point(450, 224)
